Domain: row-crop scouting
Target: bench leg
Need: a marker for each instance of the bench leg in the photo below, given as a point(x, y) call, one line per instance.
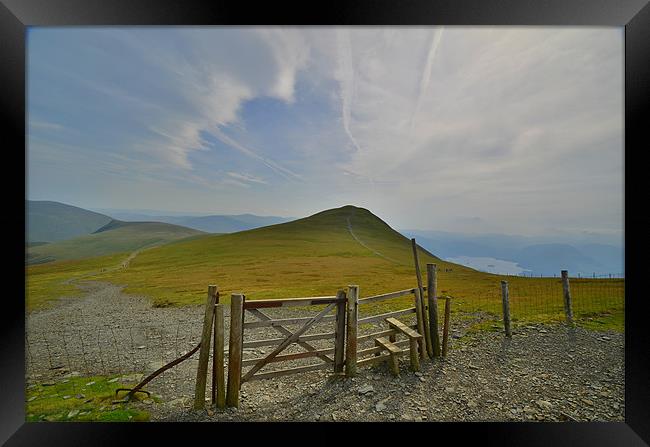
point(394, 365)
point(415, 359)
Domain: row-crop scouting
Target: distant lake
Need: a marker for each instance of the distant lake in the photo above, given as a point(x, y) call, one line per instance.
point(489, 265)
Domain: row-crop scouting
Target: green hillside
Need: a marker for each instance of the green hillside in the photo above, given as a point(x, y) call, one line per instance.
point(312, 256)
point(316, 256)
point(53, 221)
point(114, 237)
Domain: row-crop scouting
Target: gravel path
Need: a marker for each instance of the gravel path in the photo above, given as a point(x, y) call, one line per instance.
point(546, 373)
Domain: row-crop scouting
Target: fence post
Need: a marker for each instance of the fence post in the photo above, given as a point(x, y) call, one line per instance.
point(506, 307)
point(204, 353)
point(218, 382)
point(445, 330)
point(568, 306)
point(353, 317)
point(339, 337)
point(432, 296)
point(235, 348)
point(426, 335)
point(215, 347)
point(420, 322)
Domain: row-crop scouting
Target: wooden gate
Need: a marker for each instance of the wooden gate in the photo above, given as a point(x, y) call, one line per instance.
point(331, 357)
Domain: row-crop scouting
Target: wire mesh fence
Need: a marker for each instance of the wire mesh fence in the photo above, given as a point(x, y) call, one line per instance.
point(108, 350)
point(542, 300)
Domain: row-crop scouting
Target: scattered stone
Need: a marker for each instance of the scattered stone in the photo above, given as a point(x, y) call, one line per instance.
point(113, 380)
point(90, 383)
point(48, 383)
point(365, 389)
point(418, 373)
point(31, 399)
point(80, 396)
point(67, 397)
point(380, 406)
point(544, 404)
point(140, 347)
point(147, 401)
point(73, 413)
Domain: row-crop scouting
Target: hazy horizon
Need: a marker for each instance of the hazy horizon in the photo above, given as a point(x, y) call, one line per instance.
point(503, 130)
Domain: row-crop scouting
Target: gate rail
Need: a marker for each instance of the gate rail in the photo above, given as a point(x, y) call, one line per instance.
point(239, 308)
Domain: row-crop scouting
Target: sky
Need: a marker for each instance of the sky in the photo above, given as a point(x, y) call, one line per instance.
point(515, 130)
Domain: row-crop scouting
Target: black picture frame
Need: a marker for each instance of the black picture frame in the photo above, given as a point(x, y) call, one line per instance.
point(634, 15)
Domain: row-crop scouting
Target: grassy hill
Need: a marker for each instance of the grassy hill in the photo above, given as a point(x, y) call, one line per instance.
point(53, 221)
point(314, 256)
point(114, 237)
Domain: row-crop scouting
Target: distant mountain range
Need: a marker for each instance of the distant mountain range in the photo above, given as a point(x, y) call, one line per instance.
point(59, 231)
point(53, 221)
point(535, 255)
point(56, 231)
point(209, 224)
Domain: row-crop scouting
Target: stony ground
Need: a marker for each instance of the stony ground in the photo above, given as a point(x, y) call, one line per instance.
point(544, 373)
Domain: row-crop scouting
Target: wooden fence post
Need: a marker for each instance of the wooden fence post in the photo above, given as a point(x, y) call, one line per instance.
point(426, 335)
point(351, 345)
point(445, 330)
point(215, 348)
point(339, 337)
point(218, 381)
point(235, 348)
point(432, 297)
point(420, 322)
point(568, 305)
point(204, 353)
point(506, 307)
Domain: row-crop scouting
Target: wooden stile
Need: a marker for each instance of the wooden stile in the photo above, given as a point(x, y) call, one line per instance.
point(204, 352)
point(393, 351)
point(235, 348)
point(432, 297)
point(351, 336)
point(339, 338)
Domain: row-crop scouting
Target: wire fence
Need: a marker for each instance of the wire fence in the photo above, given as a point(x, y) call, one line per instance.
point(56, 357)
point(535, 300)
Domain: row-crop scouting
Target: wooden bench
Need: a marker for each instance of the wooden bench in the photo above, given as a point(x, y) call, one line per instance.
point(413, 337)
point(393, 352)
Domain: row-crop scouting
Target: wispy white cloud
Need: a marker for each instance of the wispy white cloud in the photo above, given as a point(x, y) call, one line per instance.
point(246, 177)
point(421, 123)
